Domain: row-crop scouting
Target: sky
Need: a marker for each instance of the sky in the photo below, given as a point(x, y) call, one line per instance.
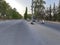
point(21, 5)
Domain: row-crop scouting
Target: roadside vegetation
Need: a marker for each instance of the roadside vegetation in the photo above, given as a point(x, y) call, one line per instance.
point(53, 13)
point(40, 11)
point(46, 13)
point(26, 15)
point(6, 11)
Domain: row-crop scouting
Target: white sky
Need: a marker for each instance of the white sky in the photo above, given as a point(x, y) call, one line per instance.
point(20, 5)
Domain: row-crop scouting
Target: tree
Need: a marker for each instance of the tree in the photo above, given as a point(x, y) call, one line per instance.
point(4, 7)
point(54, 13)
point(25, 15)
point(7, 12)
point(39, 9)
point(13, 14)
point(58, 16)
point(50, 11)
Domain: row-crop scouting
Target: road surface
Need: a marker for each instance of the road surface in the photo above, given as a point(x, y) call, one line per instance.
point(20, 32)
point(15, 32)
point(52, 25)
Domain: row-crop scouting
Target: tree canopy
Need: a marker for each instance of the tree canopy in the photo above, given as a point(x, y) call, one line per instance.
point(25, 14)
point(7, 12)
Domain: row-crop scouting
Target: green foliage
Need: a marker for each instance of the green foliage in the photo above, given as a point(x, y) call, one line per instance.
point(10, 13)
point(29, 16)
point(50, 11)
point(54, 13)
point(25, 15)
point(39, 9)
point(58, 15)
point(15, 15)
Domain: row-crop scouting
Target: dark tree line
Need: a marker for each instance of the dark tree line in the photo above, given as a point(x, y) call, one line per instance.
point(53, 14)
point(42, 12)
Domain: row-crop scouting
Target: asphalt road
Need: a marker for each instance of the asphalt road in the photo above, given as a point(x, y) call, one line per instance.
point(45, 35)
point(15, 32)
point(52, 25)
point(19, 32)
